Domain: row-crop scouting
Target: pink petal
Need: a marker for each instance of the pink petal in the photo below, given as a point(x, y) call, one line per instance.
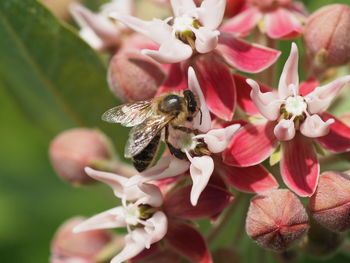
point(319, 99)
point(338, 138)
point(243, 94)
point(111, 218)
point(284, 130)
point(97, 30)
point(253, 179)
point(206, 39)
point(202, 121)
point(200, 170)
point(217, 84)
point(170, 51)
point(245, 56)
point(116, 182)
point(218, 139)
point(313, 126)
point(176, 79)
point(289, 80)
point(211, 202)
point(211, 13)
point(243, 23)
point(251, 145)
point(157, 30)
point(181, 7)
point(299, 165)
point(267, 103)
point(189, 242)
point(282, 24)
point(308, 86)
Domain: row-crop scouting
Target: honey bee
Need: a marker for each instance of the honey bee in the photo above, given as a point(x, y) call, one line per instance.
point(149, 118)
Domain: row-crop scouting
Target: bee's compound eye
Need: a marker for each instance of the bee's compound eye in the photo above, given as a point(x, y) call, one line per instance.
point(172, 103)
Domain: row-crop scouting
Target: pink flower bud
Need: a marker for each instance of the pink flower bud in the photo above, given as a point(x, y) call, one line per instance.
point(134, 77)
point(327, 35)
point(71, 151)
point(330, 205)
point(276, 219)
point(67, 246)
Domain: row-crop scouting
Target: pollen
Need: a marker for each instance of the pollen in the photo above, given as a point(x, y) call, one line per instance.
point(295, 105)
point(186, 142)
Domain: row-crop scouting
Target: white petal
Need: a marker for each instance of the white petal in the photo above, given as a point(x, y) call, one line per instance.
point(111, 218)
point(211, 13)
point(153, 195)
point(132, 248)
point(284, 130)
point(206, 39)
point(181, 7)
point(313, 126)
point(170, 51)
point(202, 121)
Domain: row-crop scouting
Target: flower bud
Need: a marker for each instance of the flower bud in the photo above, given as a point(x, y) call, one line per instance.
point(330, 204)
point(134, 77)
point(71, 151)
point(320, 242)
point(276, 219)
point(67, 246)
point(327, 35)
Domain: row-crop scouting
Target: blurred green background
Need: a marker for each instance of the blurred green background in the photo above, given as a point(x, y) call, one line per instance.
point(50, 80)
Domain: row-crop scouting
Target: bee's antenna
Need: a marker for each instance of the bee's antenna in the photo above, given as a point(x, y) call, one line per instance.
point(200, 120)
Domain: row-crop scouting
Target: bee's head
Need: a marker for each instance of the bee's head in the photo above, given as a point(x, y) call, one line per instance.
point(192, 104)
point(172, 104)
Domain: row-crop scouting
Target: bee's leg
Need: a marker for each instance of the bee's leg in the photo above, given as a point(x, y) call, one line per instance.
point(173, 150)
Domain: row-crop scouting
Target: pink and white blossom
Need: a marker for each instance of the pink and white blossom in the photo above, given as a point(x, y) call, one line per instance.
point(294, 118)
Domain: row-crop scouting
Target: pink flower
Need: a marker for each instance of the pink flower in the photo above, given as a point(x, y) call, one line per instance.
point(294, 118)
point(280, 19)
point(97, 29)
point(191, 38)
point(139, 213)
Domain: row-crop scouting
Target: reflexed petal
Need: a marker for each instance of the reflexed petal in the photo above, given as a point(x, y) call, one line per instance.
point(251, 145)
point(308, 86)
point(111, 218)
point(217, 84)
point(243, 94)
point(176, 79)
point(202, 120)
point(170, 51)
point(245, 56)
point(200, 170)
point(282, 24)
point(218, 139)
point(319, 99)
point(338, 138)
point(313, 126)
point(206, 39)
point(211, 13)
point(284, 130)
point(116, 182)
point(181, 7)
point(189, 242)
point(253, 179)
point(157, 30)
point(156, 227)
point(299, 165)
point(289, 79)
point(267, 103)
point(131, 249)
point(244, 22)
point(211, 202)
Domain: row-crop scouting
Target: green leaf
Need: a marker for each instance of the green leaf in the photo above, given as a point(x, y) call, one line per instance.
point(56, 78)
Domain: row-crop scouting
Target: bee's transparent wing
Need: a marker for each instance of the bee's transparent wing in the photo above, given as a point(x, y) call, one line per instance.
point(129, 114)
point(142, 134)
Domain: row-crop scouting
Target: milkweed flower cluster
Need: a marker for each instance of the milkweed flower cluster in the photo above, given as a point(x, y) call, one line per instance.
point(216, 154)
